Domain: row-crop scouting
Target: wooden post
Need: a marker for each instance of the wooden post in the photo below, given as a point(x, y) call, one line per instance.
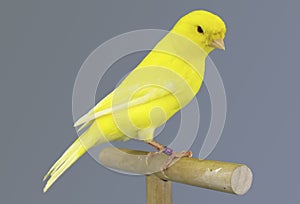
point(158, 191)
point(216, 175)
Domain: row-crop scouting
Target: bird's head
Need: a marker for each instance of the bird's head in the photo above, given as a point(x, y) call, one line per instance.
point(204, 28)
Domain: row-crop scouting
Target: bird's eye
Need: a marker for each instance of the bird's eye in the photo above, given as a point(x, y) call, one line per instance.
point(200, 30)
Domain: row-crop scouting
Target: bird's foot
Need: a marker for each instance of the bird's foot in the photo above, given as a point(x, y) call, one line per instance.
point(160, 148)
point(151, 154)
point(173, 157)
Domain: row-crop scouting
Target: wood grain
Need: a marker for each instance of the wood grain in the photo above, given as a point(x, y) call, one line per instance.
point(158, 191)
point(216, 175)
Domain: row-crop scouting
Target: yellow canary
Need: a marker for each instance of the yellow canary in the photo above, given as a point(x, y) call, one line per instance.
point(164, 82)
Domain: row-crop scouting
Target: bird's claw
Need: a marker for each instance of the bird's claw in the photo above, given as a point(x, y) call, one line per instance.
point(151, 154)
point(173, 157)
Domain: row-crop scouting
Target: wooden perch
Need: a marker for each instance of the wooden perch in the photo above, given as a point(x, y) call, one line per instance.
point(216, 175)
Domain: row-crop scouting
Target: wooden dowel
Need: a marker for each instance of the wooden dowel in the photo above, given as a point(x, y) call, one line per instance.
point(158, 191)
point(216, 175)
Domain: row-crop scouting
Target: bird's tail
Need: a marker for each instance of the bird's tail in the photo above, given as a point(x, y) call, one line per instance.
point(71, 155)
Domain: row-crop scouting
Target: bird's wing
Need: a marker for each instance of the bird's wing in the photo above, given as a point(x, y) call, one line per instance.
point(141, 86)
point(119, 99)
point(105, 107)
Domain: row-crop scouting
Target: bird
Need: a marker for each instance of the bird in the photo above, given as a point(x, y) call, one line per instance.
point(161, 84)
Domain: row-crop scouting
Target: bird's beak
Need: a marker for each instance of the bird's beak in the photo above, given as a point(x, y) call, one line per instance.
point(219, 43)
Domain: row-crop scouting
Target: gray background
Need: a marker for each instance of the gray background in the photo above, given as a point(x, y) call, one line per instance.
point(44, 43)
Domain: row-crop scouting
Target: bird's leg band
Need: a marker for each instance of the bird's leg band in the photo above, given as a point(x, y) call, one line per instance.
point(168, 151)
